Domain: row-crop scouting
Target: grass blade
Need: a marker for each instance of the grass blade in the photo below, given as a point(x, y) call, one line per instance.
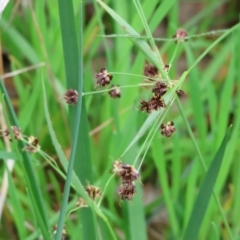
point(205, 192)
point(78, 122)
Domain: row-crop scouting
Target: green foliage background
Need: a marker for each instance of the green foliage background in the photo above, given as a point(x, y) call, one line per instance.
point(81, 142)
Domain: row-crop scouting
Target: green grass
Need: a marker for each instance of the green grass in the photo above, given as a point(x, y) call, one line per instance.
point(189, 186)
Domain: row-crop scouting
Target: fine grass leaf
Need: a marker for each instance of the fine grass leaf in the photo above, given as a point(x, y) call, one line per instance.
point(203, 198)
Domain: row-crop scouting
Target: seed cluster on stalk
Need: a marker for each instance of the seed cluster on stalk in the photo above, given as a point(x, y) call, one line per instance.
point(33, 144)
point(128, 175)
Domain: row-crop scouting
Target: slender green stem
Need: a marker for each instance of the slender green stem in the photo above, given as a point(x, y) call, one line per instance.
point(174, 54)
point(134, 75)
point(148, 31)
point(204, 166)
point(211, 33)
point(104, 190)
point(127, 86)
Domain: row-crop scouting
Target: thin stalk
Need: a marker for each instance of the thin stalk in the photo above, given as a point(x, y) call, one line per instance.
point(148, 31)
point(104, 190)
point(174, 54)
point(194, 36)
point(127, 86)
point(204, 166)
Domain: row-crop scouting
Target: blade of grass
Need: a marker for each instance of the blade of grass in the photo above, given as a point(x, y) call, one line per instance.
point(34, 190)
point(78, 121)
point(205, 192)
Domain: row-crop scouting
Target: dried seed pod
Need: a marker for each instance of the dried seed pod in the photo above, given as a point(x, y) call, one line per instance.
point(150, 71)
point(115, 92)
point(103, 77)
point(71, 96)
point(181, 35)
point(32, 145)
point(180, 93)
point(160, 88)
point(81, 203)
point(93, 192)
point(156, 102)
point(16, 132)
point(127, 190)
point(168, 129)
point(144, 106)
point(125, 171)
point(166, 68)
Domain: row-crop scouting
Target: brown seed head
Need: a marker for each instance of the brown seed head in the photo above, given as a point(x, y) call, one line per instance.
point(93, 192)
point(81, 203)
point(181, 35)
point(180, 93)
point(71, 96)
point(16, 132)
point(166, 67)
point(103, 77)
point(150, 71)
point(127, 190)
point(155, 103)
point(125, 171)
point(115, 92)
point(33, 145)
point(168, 129)
point(160, 89)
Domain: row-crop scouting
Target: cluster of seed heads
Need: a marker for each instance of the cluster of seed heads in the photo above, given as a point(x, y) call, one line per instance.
point(128, 175)
point(32, 145)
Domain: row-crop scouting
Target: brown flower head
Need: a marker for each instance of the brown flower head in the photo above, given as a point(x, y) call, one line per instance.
point(115, 92)
point(144, 106)
point(160, 89)
point(81, 203)
point(168, 129)
point(155, 103)
point(125, 171)
point(127, 190)
point(181, 35)
point(71, 96)
point(33, 145)
point(16, 132)
point(150, 71)
point(180, 93)
point(166, 67)
point(103, 77)
point(93, 192)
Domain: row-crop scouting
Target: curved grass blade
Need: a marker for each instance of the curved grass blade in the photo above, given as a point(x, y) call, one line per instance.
point(205, 192)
